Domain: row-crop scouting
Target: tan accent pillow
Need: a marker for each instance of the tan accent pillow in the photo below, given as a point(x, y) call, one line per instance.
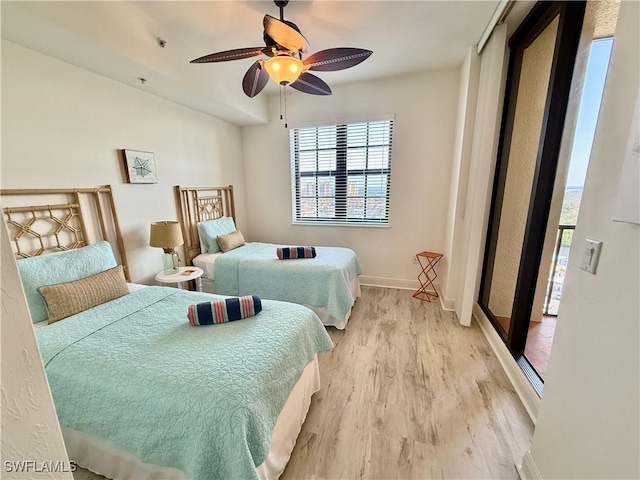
point(230, 241)
point(66, 299)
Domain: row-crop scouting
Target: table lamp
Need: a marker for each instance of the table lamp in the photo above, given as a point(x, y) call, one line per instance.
point(167, 235)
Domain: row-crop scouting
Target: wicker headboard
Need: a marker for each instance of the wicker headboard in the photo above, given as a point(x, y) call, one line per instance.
point(42, 221)
point(198, 204)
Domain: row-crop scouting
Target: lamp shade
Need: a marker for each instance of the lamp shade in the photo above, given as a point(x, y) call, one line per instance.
point(284, 69)
point(165, 234)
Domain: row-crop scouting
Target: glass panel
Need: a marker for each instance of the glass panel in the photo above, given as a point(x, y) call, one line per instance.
point(356, 159)
point(355, 207)
point(327, 137)
point(326, 186)
point(357, 135)
point(355, 186)
point(308, 187)
point(376, 207)
point(523, 151)
point(307, 139)
point(326, 160)
point(308, 207)
point(378, 157)
point(377, 186)
point(307, 161)
point(326, 207)
point(564, 212)
point(379, 133)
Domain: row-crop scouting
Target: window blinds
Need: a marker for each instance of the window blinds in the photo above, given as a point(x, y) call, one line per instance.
point(341, 173)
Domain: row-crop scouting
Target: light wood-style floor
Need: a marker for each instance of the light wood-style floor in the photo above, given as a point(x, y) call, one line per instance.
point(408, 393)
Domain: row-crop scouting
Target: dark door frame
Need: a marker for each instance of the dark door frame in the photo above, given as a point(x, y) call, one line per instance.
point(571, 15)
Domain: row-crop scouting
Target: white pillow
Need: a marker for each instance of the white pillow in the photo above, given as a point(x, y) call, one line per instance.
point(208, 232)
point(203, 246)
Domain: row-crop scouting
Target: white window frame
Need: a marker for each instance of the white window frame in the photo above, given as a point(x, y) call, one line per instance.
point(341, 173)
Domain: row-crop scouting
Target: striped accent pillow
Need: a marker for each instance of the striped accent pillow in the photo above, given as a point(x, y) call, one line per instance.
point(223, 311)
point(288, 253)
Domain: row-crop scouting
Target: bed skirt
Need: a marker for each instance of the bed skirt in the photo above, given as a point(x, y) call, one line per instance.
point(105, 459)
point(324, 316)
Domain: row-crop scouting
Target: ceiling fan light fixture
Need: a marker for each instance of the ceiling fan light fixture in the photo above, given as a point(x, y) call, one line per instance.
point(284, 69)
point(285, 45)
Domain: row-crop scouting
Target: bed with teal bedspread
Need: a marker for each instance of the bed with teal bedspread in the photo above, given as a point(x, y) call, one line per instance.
point(323, 281)
point(203, 400)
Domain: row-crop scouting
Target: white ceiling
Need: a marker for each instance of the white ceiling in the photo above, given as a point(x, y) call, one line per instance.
point(118, 39)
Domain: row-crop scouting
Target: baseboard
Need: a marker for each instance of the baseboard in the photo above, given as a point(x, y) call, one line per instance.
point(447, 304)
point(523, 388)
point(528, 470)
point(390, 282)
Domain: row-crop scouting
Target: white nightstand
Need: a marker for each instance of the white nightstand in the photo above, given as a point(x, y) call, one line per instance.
point(182, 276)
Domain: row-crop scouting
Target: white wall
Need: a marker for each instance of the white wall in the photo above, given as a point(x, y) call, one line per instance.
point(588, 421)
point(63, 126)
point(425, 109)
point(30, 429)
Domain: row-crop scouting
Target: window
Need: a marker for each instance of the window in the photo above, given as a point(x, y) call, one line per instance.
point(341, 173)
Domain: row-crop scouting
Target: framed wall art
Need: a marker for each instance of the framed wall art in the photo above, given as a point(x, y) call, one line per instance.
point(140, 166)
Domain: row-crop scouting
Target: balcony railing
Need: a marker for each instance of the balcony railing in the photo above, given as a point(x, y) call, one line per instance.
point(558, 269)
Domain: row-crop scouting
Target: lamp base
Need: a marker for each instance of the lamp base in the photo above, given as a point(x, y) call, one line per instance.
point(170, 263)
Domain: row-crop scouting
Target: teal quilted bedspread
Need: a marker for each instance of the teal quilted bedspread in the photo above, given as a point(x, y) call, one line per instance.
point(323, 281)
point(200, 399)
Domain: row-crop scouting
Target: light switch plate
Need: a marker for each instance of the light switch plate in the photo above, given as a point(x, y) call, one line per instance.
point(590, 256)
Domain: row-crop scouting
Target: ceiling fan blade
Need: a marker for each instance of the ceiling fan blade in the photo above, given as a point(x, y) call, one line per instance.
point(228, 55)
point(336, 59)
point(309, 83)
point(285, 35)
point(255, 79)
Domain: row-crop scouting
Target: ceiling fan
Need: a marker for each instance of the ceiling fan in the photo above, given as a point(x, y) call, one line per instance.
point(285, 46)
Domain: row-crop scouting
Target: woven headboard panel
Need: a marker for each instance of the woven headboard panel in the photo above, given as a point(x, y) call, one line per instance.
point(198, 204)
point(42, 221)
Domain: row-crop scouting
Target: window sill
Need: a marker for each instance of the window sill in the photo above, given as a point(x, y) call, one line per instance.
point(339, 224)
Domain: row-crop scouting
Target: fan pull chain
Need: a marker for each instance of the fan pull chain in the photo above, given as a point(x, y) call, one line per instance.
point(285, 108)
point(280, 87)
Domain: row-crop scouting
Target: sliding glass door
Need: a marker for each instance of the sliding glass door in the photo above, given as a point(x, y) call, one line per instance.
point(543, 52)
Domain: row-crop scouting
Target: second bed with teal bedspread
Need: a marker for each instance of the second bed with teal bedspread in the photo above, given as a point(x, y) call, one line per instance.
point(200, 399)
point(323, 281)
